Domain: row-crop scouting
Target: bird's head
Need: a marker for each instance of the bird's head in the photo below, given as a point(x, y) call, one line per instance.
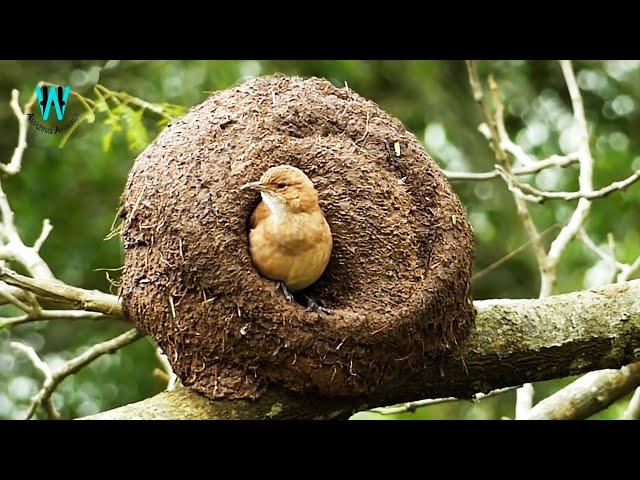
point(286, 189)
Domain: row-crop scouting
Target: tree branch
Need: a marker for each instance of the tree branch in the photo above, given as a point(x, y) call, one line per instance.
point(52, 380)
point(588, 395)
point(535, 195)
point(513, 342)
point(633, 409)
point(538, 166)
point(412, 406)
point(51, 315)
point(58, 292)
point(42, 366)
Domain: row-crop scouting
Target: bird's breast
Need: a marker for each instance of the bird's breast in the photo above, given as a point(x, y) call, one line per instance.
point(294, 249)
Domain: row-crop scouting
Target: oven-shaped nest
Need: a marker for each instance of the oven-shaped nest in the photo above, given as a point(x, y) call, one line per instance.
point(399, 274)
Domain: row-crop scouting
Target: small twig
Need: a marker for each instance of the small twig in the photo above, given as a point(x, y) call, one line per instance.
point(46, 230)
point(607, 257)
point(52, 315)
point(76, 363)
point(505, 258)
point(172, 378)
point(14, 248)
point(501, 156)
point(585, 182)
point(10, 298)
point(629, 270)
point(366, 131)
point(46, 372)
point(524, 401)
point(553, 161)
point(412, 406)
point(15, 163)
point(535, 195)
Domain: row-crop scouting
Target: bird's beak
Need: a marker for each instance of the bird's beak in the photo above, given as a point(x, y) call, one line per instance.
point(252, 186)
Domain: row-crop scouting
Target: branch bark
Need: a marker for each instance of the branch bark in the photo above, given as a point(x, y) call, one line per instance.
point(588, 395)
point(61, 293)
point(513, 342)
point(633, 409)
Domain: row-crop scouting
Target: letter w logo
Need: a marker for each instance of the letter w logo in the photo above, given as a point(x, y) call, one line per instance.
point(52, 96)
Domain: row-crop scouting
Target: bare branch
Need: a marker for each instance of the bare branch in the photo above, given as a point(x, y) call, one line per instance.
point(52, 315)
point(14, 249)
point(46, 230)
point(585, 181)
point(535, 195)
point(501, 156)
point(412, 406)
point(58, 292)
point(588, 395)
point(15, 163)
point(496, 124)
point(553, 161)
point(628, 270)
point(172, 378)
point(607, 257)
point(46, 372)
point(524, 401)
point(76, 363)
point(633, 410)
point(10, 298)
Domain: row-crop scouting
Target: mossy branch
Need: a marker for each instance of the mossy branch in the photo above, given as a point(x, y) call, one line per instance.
point(513, 342)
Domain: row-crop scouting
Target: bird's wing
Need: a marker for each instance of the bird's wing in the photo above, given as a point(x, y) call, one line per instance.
point(260, 213)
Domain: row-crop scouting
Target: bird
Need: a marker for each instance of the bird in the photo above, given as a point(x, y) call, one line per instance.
point(290, 240)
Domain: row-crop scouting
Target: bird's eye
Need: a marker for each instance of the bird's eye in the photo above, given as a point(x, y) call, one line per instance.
point(282, 185)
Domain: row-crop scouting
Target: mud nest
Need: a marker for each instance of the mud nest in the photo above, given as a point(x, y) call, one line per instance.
point(399, 274)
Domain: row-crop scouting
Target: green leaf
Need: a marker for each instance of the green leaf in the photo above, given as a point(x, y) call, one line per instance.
point(137, 136)
point(85, 117)
point(106, 141)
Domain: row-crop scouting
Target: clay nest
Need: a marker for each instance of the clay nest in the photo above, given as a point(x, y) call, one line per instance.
point(399, 274)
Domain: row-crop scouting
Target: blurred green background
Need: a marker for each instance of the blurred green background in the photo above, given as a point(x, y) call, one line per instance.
point(78, 188)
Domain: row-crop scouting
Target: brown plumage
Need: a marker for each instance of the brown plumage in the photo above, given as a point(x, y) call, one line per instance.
point(289, 240)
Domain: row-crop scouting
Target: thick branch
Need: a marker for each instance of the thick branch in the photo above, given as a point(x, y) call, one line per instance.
point(513, 342)
point(185, 404)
